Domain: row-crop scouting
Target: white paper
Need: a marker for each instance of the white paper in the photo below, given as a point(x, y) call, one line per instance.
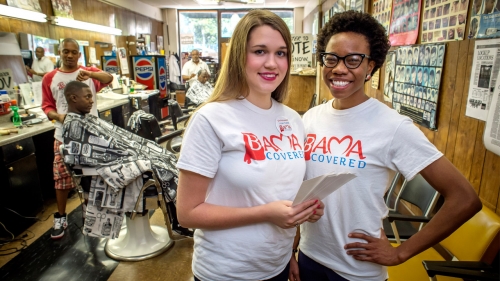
point(92, 55)
point(491, 135)
point(25, 89)
point(320, 187)
point(122, 55)
point(36, 87)
point(485, 66)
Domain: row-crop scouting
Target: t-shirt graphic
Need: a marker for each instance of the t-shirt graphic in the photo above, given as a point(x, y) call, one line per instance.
point(274, 147)
point(335, 150)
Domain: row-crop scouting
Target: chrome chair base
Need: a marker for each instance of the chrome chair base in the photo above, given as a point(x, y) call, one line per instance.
point(139, 241)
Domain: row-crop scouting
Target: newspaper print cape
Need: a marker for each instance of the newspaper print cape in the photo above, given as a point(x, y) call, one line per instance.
point(121, 159)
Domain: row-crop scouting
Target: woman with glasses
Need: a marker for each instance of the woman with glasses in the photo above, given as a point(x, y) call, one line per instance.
point(242, 161)
point(357, 134)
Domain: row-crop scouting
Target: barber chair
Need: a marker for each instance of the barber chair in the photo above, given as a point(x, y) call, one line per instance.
point(138, 240)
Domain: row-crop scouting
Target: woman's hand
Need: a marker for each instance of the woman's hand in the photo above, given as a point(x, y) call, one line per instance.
point(282, 214)
point(376, 250)
point(320, 210)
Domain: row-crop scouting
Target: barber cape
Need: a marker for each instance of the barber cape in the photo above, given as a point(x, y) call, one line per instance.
point(121, 159)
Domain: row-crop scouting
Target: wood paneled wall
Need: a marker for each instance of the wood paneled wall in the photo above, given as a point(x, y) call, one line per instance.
point(92, 11)
point(459, 137)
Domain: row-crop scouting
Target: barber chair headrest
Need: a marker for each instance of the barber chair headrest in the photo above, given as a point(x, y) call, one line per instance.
point(149, 128)
point(175, 109)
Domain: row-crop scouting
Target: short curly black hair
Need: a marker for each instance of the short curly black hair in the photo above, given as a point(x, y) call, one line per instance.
point(358, 22)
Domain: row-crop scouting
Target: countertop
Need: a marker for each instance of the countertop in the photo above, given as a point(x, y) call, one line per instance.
point(105, 104)
point(26, 132)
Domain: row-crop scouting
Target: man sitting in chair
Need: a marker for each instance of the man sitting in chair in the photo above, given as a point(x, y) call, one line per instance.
point(120, 158)
point(200, 89)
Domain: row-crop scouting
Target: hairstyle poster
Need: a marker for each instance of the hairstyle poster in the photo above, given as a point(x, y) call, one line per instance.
point(33, 5)
point(382, 12)
point(390, 64)
point(485, 19)
point(417, 81)
point(62, 8)
point(338, 7)
point(404, 24)
point(443, 20)
point(356, 5)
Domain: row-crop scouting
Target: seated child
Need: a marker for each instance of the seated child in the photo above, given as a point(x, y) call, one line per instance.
point(121, 158)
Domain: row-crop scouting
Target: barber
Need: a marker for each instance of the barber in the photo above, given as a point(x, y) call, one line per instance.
point(55, 107)
point(40, 66)
point(192, 67)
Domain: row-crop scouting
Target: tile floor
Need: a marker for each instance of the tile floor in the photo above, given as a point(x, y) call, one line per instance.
point(175, 264)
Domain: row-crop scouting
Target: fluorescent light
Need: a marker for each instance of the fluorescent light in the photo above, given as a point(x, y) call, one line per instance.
point(85, 25)
point(14, 12)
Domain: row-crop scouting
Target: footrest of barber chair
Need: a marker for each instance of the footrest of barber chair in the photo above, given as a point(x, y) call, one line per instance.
point(139, 241)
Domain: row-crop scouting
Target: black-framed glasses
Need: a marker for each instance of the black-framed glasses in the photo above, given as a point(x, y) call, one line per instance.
point(351, 61)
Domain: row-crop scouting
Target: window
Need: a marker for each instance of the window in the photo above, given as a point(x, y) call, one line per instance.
point(198, 30)
point(230, 19)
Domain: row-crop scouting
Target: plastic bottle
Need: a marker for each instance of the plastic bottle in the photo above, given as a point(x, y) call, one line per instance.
point(16, 119)
point(4, 102)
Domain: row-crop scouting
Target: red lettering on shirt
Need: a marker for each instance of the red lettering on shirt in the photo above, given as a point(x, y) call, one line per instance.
point(325, 147)
point(253, 148)
point(311, 138)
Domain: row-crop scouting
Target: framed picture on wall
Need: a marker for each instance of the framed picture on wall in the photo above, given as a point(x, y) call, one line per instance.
point(33, 5)
point(62, 8)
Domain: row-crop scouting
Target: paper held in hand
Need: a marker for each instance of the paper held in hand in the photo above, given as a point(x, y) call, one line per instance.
point(322, 186)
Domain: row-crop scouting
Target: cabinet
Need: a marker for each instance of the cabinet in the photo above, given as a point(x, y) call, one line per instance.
point(19, 186)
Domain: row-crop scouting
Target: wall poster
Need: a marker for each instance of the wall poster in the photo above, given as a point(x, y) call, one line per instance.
point(491, 135)
point(382, 12)
point(62, 8)
point(483, 76)
point(417, 82)
point(405, 21)
point(122, 57)
point(338, 7)
point(485, 19)
point(301, 51)
point(33, 5)
point(390, 64)
point(443, 20)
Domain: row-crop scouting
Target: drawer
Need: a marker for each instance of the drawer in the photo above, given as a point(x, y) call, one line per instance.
point(17, 150)
point(125, 108)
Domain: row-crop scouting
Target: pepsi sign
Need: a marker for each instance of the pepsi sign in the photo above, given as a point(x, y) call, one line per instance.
point(144, 69)
point(163, 78)
point(110, 65)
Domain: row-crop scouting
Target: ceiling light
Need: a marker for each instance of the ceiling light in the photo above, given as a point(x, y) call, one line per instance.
point(14, 12)
point(85, 25)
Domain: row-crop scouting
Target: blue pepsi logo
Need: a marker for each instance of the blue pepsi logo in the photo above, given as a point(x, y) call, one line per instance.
point(144, 69)
point(111, 66)
point(163, 78)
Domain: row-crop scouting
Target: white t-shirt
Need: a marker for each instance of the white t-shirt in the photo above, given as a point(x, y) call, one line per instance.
point(190, 67)
point(369, 140)
point(44, 65)
point(251, 163)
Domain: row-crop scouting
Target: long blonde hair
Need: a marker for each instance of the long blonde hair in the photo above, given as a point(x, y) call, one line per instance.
point(232, 82)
